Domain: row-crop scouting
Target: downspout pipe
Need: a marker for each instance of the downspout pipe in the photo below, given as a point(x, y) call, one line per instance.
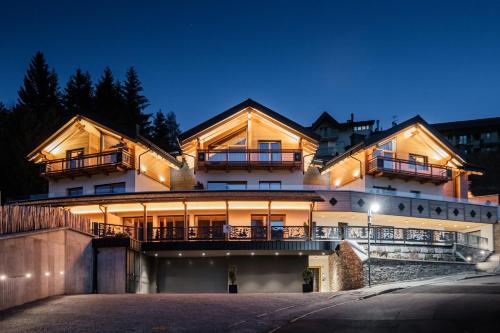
point(139, 161)
point(360, 165)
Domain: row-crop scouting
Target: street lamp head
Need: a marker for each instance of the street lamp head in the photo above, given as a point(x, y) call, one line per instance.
point(374, 207)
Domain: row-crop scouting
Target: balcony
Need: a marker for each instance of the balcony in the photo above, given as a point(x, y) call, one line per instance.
point(87, 165)
point(248, 159)
point(378, 234)
point(409, 170)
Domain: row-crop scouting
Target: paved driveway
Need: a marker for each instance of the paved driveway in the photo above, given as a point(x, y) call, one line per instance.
point(445, 304)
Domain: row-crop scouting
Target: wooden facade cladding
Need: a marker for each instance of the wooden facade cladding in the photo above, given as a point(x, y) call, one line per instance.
point(351, 201)
point(88, 164)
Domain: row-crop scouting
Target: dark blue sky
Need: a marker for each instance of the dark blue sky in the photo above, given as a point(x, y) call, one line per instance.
point(377, 59)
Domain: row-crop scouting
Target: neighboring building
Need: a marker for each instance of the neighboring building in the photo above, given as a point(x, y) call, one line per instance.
point(479, 141)
point(472, 136)
point(337, 137)
point(249, 193)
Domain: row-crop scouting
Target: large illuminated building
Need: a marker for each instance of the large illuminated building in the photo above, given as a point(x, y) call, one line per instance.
point(247, 190)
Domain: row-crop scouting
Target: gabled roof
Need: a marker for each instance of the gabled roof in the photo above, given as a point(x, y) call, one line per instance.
point(468, 124)
point(243, 105)
point(107, 125)
point(379, 136)
point(325, 116)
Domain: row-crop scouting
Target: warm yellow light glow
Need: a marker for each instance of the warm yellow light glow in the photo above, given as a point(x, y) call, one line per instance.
point(3, 277)
point(355, 173)
point(47, 273)
point(194, 205)
point(162, 179)
point(161, 206)
point(94, 209)
point(248, 204)
point(337, 182)
point(289, 205)
point(131, 207)
point(144, 169)
point(28, 275)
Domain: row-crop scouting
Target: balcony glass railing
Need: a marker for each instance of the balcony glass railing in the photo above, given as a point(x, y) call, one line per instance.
point(249, 158)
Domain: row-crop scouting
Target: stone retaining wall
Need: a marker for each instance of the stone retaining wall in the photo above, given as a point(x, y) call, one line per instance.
point(412, 252)
point(394, 270)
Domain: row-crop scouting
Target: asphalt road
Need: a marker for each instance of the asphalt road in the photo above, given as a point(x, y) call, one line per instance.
point(443, 305)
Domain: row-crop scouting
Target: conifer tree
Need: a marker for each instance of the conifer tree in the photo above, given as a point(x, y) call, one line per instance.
point(78, 95)
point(108, 99)
point(165, 131)
point(135, 102)
point(173, 132)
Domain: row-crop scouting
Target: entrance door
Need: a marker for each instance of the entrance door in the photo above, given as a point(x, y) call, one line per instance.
point(316, 278)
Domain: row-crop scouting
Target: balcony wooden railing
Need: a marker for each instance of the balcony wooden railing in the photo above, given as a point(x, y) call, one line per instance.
point(105, 162)
point(249, 159)
point(395, 167)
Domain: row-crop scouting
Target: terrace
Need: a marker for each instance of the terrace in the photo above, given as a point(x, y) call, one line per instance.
point(89, 164)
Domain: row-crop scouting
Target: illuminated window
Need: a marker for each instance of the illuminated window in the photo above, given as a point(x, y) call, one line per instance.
point(110, 188)
point(270, 185)
point(462, 139)
point(232, 185)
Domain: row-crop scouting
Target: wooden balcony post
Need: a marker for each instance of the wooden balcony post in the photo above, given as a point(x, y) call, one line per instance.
point(145, 224)
point(186, 222)
point(269, 234)
point(226, 236)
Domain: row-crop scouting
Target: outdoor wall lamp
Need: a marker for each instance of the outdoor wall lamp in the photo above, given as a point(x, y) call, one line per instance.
point(374, 208)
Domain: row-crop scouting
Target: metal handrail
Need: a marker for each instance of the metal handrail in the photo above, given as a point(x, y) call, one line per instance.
point(112, 157)
point(409, 167)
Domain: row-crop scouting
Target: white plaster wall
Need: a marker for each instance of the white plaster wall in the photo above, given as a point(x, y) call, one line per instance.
point(405, 186)
point(144, 183)
point(59, 188)
point(288, 179)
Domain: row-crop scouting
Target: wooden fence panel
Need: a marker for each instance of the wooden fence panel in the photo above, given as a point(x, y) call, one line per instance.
point(28, 218)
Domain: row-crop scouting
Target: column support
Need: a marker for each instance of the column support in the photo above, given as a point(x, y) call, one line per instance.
point(145, 223)
point(186, 222)
point(269, 234)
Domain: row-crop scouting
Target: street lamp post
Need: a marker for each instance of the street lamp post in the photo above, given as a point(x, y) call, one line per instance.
point(374, 207)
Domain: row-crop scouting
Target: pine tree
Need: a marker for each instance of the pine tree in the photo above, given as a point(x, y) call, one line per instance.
point(39, 99)
point(135, 102)
point(108, 99)
point(159, 130)
point(165, 131)
point(173, 132)
point(79, 94)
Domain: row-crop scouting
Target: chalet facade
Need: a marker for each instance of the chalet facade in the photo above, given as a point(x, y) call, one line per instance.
point(248, 190)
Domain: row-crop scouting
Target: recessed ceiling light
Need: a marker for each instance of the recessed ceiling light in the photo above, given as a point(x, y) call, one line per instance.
point(203, 254)
point(3, 277)
point(28, 275)
point(180, 254)
point(276, 253)
point(156, 254)
point(322, 253)
point(253, 253)
point(300, 253)
point(228, 253)
point(47, 273)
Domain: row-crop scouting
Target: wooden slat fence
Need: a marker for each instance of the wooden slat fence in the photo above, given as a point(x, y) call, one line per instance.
point(15, 219)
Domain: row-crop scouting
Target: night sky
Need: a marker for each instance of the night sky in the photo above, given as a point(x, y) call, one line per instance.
point(376, 59)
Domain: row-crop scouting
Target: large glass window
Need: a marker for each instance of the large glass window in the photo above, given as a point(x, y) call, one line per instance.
point(462, 139)
point(270, 151)
point(110, 188)
point(170, 227)
point(208, 227)
point(418, 161)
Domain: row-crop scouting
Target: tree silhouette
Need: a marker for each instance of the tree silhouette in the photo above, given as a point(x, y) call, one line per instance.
point(78, 95)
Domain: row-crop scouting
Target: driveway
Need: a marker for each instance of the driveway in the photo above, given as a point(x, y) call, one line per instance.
point(445, 305)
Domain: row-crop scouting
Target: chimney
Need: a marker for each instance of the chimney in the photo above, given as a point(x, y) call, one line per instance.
point(352, 117)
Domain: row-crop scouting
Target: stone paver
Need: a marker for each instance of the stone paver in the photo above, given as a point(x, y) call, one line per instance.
point(197, 313)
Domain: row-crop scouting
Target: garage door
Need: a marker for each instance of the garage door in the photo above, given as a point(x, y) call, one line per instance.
point(192, 275)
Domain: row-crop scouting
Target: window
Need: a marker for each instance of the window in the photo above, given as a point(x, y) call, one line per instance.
point(208, 227)
point(110, 188)
point(384, 188)
point(74, 158)
point(171, 227)
point(386, 150)
point(75, 191)
point(487, 135)
point(137, 224)
point(418, 161)
point(233, 185)
point(270, 185)
point(361, 128)
point(462, 139)
point(270, 151)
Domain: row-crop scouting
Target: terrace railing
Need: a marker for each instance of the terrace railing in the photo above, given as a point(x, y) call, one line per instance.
point(378, 234)
point(249, 158)
point(119, 159)
point(409, 169)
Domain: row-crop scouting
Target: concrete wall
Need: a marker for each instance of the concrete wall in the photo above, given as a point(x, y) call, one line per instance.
point(64, 255)
point(394, 270)
point(111, 270)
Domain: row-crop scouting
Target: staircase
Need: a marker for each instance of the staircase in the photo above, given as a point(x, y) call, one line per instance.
point(491, 265)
